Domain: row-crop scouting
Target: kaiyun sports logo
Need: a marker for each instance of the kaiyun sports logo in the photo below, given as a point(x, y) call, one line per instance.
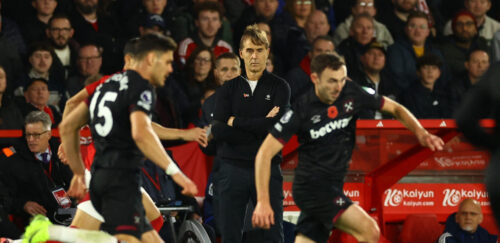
point(452, 197)
point(396, 197)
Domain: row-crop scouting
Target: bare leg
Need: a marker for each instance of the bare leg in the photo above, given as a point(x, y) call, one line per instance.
point(300, 238)
point(356, 222)
point(151, 237)
point(82, 220)
point(127, 238)
point(152, 211)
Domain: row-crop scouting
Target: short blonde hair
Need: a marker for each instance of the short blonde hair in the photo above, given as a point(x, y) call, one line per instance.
point(256, 35)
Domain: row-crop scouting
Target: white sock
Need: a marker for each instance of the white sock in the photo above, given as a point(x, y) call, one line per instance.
point(65, 234)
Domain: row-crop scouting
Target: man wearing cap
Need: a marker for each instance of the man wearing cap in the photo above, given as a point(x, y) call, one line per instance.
point(36, 95)
point(373, 77)
point(35, 176)
point(464, 39)
point(152, 23)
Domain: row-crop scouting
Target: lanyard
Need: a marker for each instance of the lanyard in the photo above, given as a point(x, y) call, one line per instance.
point(155, 183)
point(48, 173)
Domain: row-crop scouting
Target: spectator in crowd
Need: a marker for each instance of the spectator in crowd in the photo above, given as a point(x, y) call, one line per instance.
point(41, 56)
point(485, 25)
point(375, 78)
point(10, 30)
point(94, 24)
point(423, 98)
point(208, 22)
point(464, 39)
point(316, 25)
point(60, 34)
point(36, 97)
point(264, 26)
point(33, 28)
point(10, 115)
point(148, 8)
point(463, 226)
point(297, 43)
point(298, 77)
point(278, 66)
point(234, 9)
point(382, 34)
point(263, 10)
point(478, 62)
point(360, 35)
point(495, 47)
point(199, 77)
point(297, 12)
point(7, 227)
point(10, 60)
point(227, 67)
point(402, 55)
point(89, 63)
point(395, 19)
point(152, 23)
point(184, 23)
point(37, 178)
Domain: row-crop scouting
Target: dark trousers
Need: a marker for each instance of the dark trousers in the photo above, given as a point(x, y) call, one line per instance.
point(235, 188)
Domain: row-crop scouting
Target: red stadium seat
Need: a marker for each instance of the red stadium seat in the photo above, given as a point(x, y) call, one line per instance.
point(421, 228)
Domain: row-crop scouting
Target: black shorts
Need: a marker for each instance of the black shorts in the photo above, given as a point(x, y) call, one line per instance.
point(116, 195)
point(319, 209)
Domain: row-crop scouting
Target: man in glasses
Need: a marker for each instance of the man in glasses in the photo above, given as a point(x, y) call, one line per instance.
point(60, 35)
point(382, 34)
point(89, 63)
point(36, 177)
point(465, 39)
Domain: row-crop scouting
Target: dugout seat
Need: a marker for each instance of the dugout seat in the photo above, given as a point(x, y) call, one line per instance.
point(420, 228)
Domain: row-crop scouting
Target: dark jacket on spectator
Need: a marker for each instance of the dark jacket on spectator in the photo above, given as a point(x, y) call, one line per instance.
point(454, 234)
point(107, 36)
point(28, 179)
point(386, 87)
point(7, 228)
point(402, 62)
point(12, 32)
point(33, 30)
point(424, 103)
point(10, 118)
point(352, 51)
point(10, 59)
point(26, 108)
point(456, 56)
point(299, 80)
point(458, 88)
point(394, 24)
